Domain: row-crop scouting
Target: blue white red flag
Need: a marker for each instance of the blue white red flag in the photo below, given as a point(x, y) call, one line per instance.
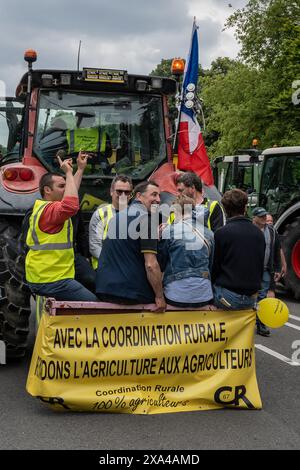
point(192, 155)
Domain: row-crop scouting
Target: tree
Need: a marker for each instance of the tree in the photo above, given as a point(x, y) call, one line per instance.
point(253, 98)
point(262, 28)
point(163, 69)
point(235, 110)
point(220, 66)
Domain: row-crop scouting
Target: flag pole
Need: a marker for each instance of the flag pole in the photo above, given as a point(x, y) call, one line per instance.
point(181, 91)
point(192, 154)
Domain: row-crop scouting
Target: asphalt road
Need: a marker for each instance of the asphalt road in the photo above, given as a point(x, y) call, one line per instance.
point(25, 423)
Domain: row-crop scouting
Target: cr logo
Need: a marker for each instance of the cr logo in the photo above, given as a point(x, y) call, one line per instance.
point(54, 401)
point(232, 396)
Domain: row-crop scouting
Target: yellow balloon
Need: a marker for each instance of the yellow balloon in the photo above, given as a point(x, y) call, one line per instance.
point(272, 312)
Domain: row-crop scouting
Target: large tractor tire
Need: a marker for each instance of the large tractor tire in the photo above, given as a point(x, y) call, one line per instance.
point(291, 248)
point(15, 294)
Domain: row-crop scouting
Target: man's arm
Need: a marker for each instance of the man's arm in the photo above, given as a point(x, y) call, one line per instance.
point(283, 263)
point(149, 250)
point(55, 214)
point(67, 167)
point(154, 277)
point(81, 165)
point(277, 257)
point(96, 234)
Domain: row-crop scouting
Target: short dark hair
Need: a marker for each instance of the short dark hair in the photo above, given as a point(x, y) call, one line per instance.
point(234, 202)
point(123, 178)
point(143, 186)
point(189, 180)
point(47, 180)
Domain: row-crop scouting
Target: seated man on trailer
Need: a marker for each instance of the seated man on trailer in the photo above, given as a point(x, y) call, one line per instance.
point(128, 271)
point(50, 260)
point(238, 257)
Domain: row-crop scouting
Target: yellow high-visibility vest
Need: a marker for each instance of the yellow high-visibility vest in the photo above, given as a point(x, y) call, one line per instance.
point(210, 205)
point(171, 218)
point(105, 214)
point(89, 139)
point(51, 256)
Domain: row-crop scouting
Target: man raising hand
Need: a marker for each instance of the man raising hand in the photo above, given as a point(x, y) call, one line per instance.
point(50, 259)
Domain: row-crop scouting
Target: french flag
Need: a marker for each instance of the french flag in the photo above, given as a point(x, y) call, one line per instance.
point(192, 155)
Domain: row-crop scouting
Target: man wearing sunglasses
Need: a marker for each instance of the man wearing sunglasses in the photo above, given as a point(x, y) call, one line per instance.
point(128, 271)
point(120, 191)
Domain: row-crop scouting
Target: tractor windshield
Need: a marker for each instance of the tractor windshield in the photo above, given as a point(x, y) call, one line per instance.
point(10, 129)
point(280, 183)
point(244, 178)
point(124, 133)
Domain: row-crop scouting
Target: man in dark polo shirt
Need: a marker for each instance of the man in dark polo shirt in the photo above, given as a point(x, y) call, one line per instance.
point(128, 269)
point(238, 257)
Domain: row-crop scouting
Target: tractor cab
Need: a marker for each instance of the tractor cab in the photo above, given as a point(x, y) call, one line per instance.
point(238, 171)
point(118, 118)
point(280, 180)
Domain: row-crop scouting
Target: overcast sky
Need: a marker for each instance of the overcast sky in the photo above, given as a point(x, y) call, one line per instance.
point(128, 34)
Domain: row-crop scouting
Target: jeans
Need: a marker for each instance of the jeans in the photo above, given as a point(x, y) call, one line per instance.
point(66, 289)
point(188, 305)
point(265, 286)
point(262, 293)
point(228, 300)
point(84, 273)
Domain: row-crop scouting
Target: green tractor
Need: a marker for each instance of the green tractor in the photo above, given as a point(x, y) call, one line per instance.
point(272, 180)
point(128, 113)
point(241, 171)
point(279, 193)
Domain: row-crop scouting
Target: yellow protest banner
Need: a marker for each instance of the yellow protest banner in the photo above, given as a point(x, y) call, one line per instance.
point(145, 362)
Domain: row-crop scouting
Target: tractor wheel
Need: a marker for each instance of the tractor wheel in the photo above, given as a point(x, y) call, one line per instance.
point(15, 294)
point(291, 248)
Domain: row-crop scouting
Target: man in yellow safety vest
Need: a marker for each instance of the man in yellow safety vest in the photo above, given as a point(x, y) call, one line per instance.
point(190, 185)
point(50, 260)
point(120, 191)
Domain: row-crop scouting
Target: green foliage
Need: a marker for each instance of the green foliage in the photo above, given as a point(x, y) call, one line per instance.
point(249, 103)
point(262, 27)
point(252, 97)
point(220, 66)
point(258, 96)
point(163, 69)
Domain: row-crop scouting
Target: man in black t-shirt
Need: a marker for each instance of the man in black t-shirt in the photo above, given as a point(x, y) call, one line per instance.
point(128, 269)
point(238, 257)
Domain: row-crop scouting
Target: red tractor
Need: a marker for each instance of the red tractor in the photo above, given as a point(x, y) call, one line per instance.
point(49, 107)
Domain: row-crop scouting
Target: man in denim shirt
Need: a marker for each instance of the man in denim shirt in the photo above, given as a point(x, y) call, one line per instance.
point(187, 253)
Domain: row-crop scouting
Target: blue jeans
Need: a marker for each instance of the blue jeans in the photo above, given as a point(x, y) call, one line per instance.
point(66, 289)
point(189, 305)
point(265, 286)
point(228, 300)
